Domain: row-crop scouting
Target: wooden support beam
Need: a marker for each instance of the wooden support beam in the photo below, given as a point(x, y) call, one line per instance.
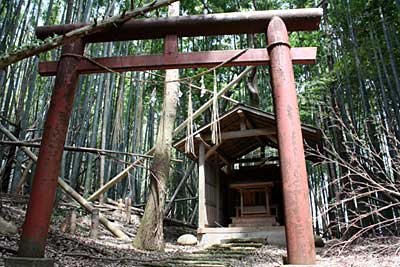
point(224, 158)
point(267, 197)
point(242, 120)
point(244, 133)
point(258, 159)
point(218, 194)
point(195, 25)
point(241, 202)
point(250, 125)
point(202, 187)
point(200, 138)
point(213, 149)
point(252, 57)
point(274, 139)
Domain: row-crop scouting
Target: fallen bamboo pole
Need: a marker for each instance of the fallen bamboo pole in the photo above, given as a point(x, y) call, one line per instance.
point(182, 126)
point(209, 102)
point(80, 149)
point(71, 192)
point(170, 201)
point(140, 212)
point(76, 33)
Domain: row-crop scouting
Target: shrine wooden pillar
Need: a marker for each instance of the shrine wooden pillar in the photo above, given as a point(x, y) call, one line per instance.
point(298, 223)
point(202, 187)
point(38, 214)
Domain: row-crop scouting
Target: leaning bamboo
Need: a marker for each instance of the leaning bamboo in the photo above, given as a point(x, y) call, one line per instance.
point(209, 102)
point(96, 151)
point(113, 22)
point(183, 180)
point(71, 192)
point(182, 126)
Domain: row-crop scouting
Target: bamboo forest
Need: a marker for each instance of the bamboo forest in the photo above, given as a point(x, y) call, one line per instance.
point(199, 133)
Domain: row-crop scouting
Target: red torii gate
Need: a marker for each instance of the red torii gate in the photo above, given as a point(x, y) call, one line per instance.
point(279, 55)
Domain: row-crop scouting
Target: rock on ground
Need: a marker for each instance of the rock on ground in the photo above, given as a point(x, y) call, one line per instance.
point(187, 239)
point(7, 227)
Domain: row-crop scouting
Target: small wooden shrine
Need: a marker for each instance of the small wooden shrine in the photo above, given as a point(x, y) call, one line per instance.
point(240, 186)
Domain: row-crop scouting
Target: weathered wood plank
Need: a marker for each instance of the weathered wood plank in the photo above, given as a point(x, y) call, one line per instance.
point(244, 133)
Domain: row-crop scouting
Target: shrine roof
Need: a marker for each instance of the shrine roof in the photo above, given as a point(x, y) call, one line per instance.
point(243, 130)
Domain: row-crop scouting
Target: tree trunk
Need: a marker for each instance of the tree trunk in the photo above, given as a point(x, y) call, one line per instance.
point(252, 79)
point(150, 235)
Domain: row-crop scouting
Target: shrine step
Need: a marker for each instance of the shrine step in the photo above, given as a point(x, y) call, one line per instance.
point(243, 247)
point(244, 240)
point(219, 255)
point(207, 256)
point(213, 257)
point(250, 221)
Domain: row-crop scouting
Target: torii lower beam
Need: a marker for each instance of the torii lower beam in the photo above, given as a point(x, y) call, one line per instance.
point(251, 57)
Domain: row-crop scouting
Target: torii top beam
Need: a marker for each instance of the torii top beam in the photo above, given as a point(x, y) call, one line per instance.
point(196, 25)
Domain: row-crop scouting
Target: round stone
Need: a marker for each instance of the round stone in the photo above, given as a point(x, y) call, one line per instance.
point(187, 239)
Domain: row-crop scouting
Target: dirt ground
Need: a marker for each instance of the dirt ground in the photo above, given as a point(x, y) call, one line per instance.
point(79, 250)
point(367, 252)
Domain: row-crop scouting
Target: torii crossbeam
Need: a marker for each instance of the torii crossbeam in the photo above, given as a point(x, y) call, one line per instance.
point(279, 55)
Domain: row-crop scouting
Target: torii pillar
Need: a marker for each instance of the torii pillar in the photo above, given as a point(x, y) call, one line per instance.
point(298, 222)
point(41, 201)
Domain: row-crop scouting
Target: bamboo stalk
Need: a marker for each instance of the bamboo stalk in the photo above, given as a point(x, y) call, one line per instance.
point(94, 224)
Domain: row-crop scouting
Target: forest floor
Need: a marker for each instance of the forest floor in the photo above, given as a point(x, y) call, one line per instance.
point(79, 250)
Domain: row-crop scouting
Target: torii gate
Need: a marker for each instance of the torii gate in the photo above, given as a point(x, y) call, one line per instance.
point(279, 55)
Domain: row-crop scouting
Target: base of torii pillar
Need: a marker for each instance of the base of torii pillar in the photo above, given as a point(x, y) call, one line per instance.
point(28, 262)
